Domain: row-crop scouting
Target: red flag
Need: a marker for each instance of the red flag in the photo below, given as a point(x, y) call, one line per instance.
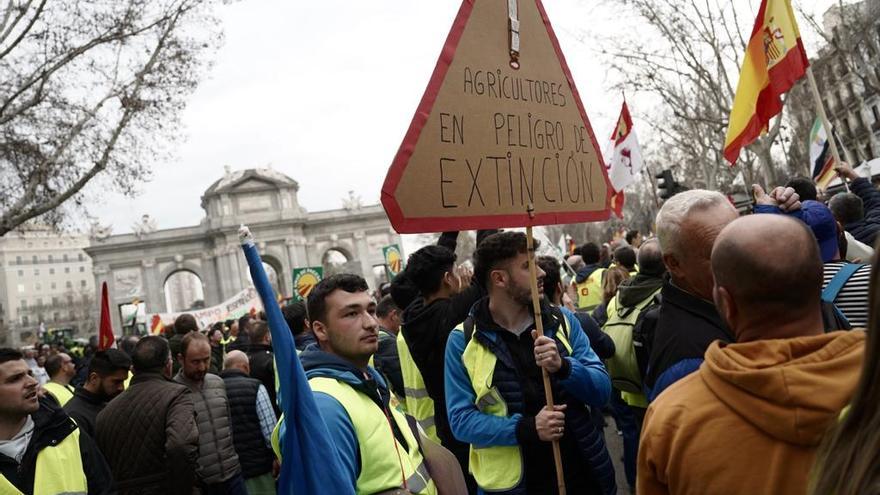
point(106, 339)
point(617, 204)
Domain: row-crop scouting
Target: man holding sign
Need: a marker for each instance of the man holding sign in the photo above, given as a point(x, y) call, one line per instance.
point(494, 391)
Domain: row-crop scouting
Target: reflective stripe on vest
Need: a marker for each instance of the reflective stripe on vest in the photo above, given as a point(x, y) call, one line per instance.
point(495, 468)
point(61, 393)
point(590, 290)
point(59, 470)
point(419, 404)
point(382, 458)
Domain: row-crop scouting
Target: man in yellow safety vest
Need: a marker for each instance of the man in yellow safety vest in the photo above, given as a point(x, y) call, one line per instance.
point(61, 370)
point(376, 444)
point(495, 393)
point(589, 278)
point(42, 451)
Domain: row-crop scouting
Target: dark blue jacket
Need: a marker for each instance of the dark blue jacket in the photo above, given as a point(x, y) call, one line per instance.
point(586, 271)
point(685, 327)
point(865, 230)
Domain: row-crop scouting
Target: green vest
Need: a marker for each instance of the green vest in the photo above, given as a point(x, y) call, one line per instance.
point(590, 291)
point(419, 404)
point(499, 467)
point(623, 367)
point(384, 463)
point(59, 470)
point(61, 393)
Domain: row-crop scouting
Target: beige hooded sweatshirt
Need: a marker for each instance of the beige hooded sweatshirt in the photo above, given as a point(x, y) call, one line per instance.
point(750, 420)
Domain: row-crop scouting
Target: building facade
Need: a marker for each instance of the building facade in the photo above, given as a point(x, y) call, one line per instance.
point(847, 72)
point(165, 271)
point(46, 279)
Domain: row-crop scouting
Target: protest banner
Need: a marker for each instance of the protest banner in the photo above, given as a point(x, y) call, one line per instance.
point(488, 140)
point(499, 139)
point(246, 301)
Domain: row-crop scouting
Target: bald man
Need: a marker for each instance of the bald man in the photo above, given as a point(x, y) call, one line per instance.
point(253, 419)
point(750, 420)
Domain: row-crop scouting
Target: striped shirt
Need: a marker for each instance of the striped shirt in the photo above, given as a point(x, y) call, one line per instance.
point(852, 300)
point(266, 414)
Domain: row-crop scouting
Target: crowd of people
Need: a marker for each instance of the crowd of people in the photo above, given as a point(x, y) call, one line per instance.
point(733, 354)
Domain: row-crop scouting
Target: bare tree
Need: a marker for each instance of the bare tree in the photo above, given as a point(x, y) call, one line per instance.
point(687, 55)
point(92, 90)
point(849, 60)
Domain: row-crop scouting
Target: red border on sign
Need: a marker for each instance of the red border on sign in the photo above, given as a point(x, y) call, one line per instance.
point(413, 225)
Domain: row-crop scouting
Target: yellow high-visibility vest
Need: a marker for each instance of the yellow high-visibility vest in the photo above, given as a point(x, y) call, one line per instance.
point(495, 468)
point(419, 404)
point(59, 470)
point(62, 393)
point(590, 291)
point(385, 464)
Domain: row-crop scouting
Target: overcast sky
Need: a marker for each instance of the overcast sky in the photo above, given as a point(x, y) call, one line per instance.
point(324, 91)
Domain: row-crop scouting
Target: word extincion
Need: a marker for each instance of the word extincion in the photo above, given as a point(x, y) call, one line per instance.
point(515, 180)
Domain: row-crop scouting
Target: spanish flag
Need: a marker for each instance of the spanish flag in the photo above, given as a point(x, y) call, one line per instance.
point(775, 59)
point(156, 326)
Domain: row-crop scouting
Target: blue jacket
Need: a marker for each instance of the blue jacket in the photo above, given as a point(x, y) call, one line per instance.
point(865, 230)
point(583, 379)
point(318, 363)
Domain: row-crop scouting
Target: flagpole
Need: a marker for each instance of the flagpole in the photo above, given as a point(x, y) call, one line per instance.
point(539, 327)
point(827, 125)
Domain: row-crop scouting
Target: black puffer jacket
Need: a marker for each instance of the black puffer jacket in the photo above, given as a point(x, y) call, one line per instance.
point(865, 230)
point(51, 426)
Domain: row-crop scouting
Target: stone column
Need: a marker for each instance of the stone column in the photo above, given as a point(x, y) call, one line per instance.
point(209, 271)
point(154, 292)
point(363, 254)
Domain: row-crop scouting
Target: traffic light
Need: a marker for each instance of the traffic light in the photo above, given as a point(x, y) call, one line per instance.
point(666, 186)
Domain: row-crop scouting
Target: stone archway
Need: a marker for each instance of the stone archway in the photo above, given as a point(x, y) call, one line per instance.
point(336, 260)
point(274, 271)
point(184, 290)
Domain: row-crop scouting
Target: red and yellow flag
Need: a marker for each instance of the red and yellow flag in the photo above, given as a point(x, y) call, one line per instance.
point(775, 59)
point(156, 326)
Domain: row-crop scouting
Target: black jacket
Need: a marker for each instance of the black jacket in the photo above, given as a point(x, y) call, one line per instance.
point(387, 362)
point(426, 328)
point(303, 340)
point(262, 362)
point(84, 408)
point(686, 325)
point(601, 343)
point(865, 230)
point(51, 426)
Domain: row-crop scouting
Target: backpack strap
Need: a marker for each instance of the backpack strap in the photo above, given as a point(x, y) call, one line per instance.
point(469, 327)
point(829, 293)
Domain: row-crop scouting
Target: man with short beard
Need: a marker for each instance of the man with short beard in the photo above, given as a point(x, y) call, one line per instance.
point(219, 471)
point(494, 388)
point(108, 371)
point(36, 433)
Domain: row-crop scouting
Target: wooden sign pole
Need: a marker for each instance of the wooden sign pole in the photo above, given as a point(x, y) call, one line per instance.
point(539, 326)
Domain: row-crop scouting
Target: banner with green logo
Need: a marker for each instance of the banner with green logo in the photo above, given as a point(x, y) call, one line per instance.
point(393, 260)
point(305, 279)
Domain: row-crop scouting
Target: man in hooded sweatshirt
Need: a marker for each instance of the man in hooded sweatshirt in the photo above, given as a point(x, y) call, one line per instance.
point(750, 419)
point(378, 450)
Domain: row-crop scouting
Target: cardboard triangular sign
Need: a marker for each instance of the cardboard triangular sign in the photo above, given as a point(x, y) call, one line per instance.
point(488, 140)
